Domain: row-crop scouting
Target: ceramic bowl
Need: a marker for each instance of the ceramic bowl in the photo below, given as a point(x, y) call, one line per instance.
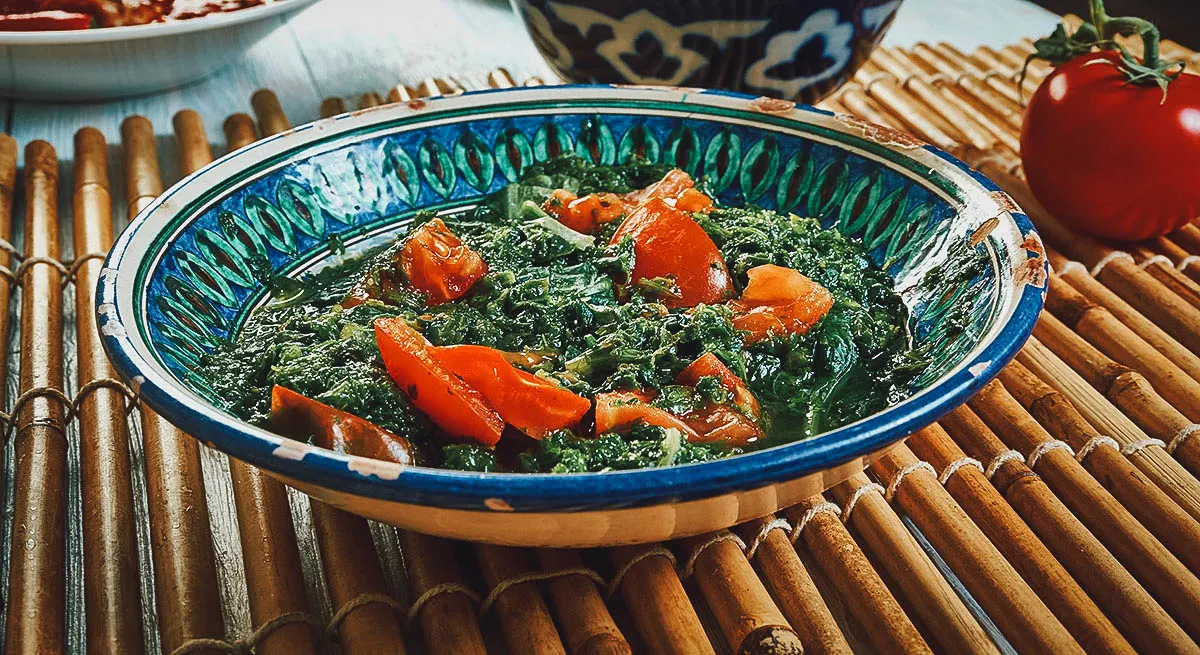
point(179, 280)
point(114, 62)
point(780, 48)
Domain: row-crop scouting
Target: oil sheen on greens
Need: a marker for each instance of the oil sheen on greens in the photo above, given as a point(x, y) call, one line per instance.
point(552, 292)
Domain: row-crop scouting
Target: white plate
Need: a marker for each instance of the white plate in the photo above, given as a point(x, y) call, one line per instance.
point(115, 62)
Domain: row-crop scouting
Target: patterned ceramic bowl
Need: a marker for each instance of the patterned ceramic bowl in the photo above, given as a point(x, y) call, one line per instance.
point(801, 50)
point(180, 279)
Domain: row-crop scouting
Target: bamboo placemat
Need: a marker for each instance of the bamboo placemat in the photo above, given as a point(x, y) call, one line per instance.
point(1057, 511)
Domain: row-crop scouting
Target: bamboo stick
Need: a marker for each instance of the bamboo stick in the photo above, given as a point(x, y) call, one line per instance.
point(524, 617)
point(240, 131)
point(946, 620)
point(999, 81)
point(587, 627)
point(1166, 273)
point(111, 574)
point(8, 182)
point(1005, 110)
point(271, 119)
point(354, 574)
point(185, 577)
point(1128, 390)
point(369, 99)
point(744, 611)
point(1114, 338)
point(1020, 546)
point(1076, 275)
point(1151, 458)
point(1159, 570)
point(1173, 526)
point(1188, 238)
point(997, 587)
point(332, 107)
point(859, 104)
point(36, 599)
point(401, 93)
point(194, 151)
point(866, 596)
point(448, 619)
point(951, 112)
point(274, 578)
point(1139, 617)
point(954, 97)
point(657, 602)
point(780, 568)
point(884, 88)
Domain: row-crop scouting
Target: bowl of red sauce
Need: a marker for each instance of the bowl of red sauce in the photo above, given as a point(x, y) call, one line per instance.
point(101, 49)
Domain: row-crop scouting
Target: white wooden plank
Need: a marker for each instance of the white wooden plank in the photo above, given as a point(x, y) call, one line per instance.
point(354, 46)
point(968, 24)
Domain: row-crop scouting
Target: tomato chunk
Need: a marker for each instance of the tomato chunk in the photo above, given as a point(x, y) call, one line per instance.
point(723, 424)
point(779, 301)
point(449, 402)
point(693, 201)
point(668, 243)
point(531, 404)
point(709, 364)
point(300, 417)
point(431, 260)
point(621, 409)
point(672, 185)
point(587, 214)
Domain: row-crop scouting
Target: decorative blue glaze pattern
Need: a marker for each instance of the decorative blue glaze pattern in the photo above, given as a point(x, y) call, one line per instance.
point(221, 261)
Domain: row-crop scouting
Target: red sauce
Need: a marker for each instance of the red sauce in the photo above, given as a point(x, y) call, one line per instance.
point(43, 15)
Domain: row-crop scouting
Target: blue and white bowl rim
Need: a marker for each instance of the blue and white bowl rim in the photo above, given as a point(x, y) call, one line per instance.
point(536, 492)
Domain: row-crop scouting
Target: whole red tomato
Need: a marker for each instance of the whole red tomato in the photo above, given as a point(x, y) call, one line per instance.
point(1110, 157)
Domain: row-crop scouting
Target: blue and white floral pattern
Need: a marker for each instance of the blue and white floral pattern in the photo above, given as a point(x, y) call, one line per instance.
point(795, 50)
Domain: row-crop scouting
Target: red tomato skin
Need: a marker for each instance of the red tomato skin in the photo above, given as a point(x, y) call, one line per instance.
point(672, 185)
point(585, 215)
point(298, 416)
point(709, 364)
point(1111, 158)
point(437, 263)
point(449, 402)
point(723, 424)
point(620, 409)
point(529, 403)
point(668, 243)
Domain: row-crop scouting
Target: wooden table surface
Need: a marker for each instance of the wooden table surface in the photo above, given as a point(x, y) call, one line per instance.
point(347, 47)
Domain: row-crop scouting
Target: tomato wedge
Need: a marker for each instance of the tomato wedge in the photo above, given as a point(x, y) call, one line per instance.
point(723, 424)
point(693, 201)
point(449, 402)
point(668, 243)
point(620, 409)
point(436, 262)
point(531, 404)
point(299, 417)
point(672, 185)
point(709, 364)
point(779, 301)
point(586, 214)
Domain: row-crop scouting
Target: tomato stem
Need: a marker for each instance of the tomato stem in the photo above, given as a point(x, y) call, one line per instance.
point(1108, 27)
